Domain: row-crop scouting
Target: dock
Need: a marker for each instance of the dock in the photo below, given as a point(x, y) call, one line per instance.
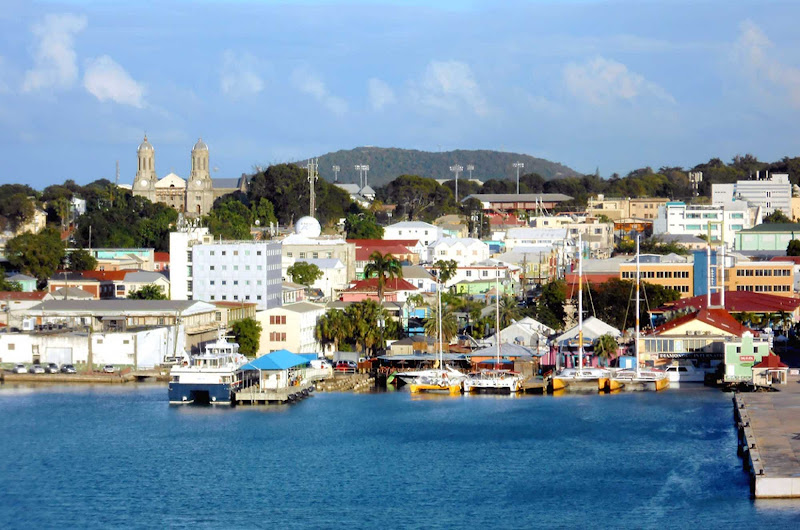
point(534, 385)
point(769, 439)
point(258, 396)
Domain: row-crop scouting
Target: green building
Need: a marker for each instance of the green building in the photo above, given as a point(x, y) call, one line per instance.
point(767, 236)
point(741, 355)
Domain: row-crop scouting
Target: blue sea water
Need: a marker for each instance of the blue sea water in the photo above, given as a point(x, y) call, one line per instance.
point(102, 457)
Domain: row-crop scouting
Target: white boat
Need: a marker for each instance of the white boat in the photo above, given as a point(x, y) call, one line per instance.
point(496, 381)
point(413, 376)
point(685, 373)
point(208, 377)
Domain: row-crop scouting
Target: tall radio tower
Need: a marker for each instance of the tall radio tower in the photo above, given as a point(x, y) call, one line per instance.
point(313, 175)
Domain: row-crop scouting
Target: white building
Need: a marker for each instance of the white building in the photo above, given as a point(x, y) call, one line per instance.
point(678, 218)
point(419, 278)
point(770, 192)
point(238, 271)
point(425, 233)
point(463, 250)
point(597, 237)
point(181, 241)
point(535, 237)
point(290, 327)
point(334, 276)
point(307, 243)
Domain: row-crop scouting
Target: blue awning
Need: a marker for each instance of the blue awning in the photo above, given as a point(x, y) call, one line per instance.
point(277, 360)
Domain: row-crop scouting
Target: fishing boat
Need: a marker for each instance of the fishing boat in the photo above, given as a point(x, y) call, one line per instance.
point(494, 380)
point(637, 379)
point(209, 377)
point(438, 380)
point(582, 377)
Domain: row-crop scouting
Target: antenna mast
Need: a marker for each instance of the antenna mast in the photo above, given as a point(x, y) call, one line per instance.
point(312, 166)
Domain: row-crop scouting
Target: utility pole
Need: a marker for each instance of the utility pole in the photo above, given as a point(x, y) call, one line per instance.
point(336, 174)
point(470, 168)
point(312, 166)
point(518, 165)
point(456, 169)
point(362, 174)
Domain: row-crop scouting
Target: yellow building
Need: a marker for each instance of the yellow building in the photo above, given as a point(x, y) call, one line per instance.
point(618, 208)
point(773, 277)
point(670, 271)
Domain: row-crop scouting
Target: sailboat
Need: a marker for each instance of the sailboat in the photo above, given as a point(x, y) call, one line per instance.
point(494, 380)
point(637, 378)
point(441, 379)
point(582, 377)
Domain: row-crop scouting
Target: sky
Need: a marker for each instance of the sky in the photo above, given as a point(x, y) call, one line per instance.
point(596, 85)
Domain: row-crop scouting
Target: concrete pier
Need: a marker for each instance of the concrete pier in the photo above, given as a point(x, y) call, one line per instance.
point(256, 396)
point(769, 439)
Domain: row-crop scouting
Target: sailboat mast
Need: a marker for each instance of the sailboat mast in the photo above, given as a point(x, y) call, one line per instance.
point(636, 348)
point(441, 361)
point(580, 303)
point(497, 313)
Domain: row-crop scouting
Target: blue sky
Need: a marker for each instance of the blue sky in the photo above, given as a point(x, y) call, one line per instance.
point(615, 85)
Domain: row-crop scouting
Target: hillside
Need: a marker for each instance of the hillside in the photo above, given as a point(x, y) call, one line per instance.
point(385, 164)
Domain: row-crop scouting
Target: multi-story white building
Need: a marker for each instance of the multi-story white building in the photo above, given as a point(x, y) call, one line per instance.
point(238, 271)
point(307, 243)
point(722, 222)
point(597, 237)
point(334, 276)
point(290, 327)
point(771, 192)
point(462, 250)
point(425, 233)
point(188, 234)
point(535, 237)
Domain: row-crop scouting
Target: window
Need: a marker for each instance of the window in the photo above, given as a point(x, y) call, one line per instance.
point(469, 274)
point(258, 252)
point(211, 282)
point(259, 268)
point(224, 282)
point(235, 282)
point(258, 282)
point(213, 297)
point(236, 297)
point(302, 255)
point(247, 297)
point(211, 268)
point(223, 252)
point(258, 297)
point(218, 316)
point(224, 297)
point(235, 252)
point(247, 267)
point(236, 267)
point(224, 267)
point(246, 252)
point(211, 253)
point(485, 273)
point(11, 347)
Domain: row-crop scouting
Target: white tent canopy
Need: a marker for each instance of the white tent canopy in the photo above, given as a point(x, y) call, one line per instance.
point(592, 329)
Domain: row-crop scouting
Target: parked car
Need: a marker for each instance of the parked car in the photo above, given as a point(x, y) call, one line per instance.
point(51, 368)
point(109, 369)
point(346, 367)
point(68, 369)
point(19, 369)
point(36, 369)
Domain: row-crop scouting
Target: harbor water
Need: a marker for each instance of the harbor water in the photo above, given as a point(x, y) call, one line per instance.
point(100, 457)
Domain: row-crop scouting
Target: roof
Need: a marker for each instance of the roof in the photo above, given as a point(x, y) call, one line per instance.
point(451, 241)
point(592, 328)
point(71, 293)
point(793, 259)
point(348, 187)
point(680, 238)
point(114, 276)
point(363, 253)
point(519, 197)
point(16, 295)
point(20, 278)
point(738, 302)
point(117, 307)
point(383, 242)
point(277, 360)
point(144, 276)
point(171, 181)
point(412, 224)
point(416, 271)
point(233, 183)
point(161, 256)
point(325, 263)
point(507, 349)
point(774, 227)
point(302, 307)
point(717, 318)
point(770, 361)
point(371, 285)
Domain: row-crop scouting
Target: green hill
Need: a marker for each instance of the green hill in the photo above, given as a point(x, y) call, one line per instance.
point(386, 164)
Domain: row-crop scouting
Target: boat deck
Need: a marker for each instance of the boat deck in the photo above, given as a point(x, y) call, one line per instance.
point(256, 396)
point(769, 439)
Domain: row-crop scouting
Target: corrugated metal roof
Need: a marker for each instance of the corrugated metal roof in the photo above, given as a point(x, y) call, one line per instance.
point(277, 360)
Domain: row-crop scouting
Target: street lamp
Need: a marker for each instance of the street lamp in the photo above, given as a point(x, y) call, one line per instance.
point(362, 168)
point(470, 168)
point(456, 169)
point(518, 165)
point(336, 173)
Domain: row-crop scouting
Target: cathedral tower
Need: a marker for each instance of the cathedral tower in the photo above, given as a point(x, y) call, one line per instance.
point(144, 183)
point(199, 189)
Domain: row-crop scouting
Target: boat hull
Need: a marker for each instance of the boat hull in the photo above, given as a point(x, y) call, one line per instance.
point(187, 393)
point(418, 388)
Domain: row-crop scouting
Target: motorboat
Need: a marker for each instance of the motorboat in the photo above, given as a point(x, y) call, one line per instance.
point(685, 373)
point(438, 383)
point(493, 381)
point(413, 376)
point(209, 377)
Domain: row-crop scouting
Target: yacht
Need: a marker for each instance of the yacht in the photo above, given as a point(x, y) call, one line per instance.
point(209, 377)
point(413, 376)
point(685, 373)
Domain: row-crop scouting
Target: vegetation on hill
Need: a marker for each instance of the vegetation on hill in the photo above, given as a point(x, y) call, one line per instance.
point(387, 163)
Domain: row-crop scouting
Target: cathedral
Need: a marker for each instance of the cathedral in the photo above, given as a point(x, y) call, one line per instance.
point(194, 196)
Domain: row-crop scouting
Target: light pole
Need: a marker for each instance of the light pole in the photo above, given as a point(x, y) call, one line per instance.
point(518, 165)
point(336, 173)
point(362, 174)
point(456, 169)
point(470, 168)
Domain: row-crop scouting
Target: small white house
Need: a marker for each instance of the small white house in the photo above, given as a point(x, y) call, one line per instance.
point(463, 250)
point(426, 233)
point(290, 327)
point(334, 276)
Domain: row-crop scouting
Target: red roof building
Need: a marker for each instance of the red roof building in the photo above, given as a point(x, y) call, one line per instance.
point(740, 302)
point(771, 361)
point(716, 321)
point(395, 290)
point(161, 261)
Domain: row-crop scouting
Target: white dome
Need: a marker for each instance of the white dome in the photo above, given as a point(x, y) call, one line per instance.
point(200, 146)
point(145, 145)
point(307, 226)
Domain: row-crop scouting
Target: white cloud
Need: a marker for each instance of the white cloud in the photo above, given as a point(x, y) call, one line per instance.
point(108, 81)
point(309, 83)
point(601, 81)
point(55, 64)
point(239, 76)
point(752, 50)
point(380, 94)
point(448, 85)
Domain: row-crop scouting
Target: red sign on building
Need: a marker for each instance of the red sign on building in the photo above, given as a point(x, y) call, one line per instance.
point(746, 358)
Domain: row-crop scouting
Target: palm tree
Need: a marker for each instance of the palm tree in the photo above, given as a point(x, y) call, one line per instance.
point(332, 328)
point(383, 267)
point(363, 323)
point(447, 269)
point(605, 346)
point(509, 312)
point(449, 324)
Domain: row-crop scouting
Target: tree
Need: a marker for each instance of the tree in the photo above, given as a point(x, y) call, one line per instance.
point(81, 260)
point(446, 269)
point(230, 219)
point(793, 249)
point(449, 324)
point(363, 323)
point(264, 212)
point(383, 267)
point(333, 328)
point(36, 254)
point(6, 285)
point(304, 273)
point(509, 311)
point(362, 226)
point(605, 346)
point(777, 217)
point(148, 292)
point(550, 306)
point(248, 335)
